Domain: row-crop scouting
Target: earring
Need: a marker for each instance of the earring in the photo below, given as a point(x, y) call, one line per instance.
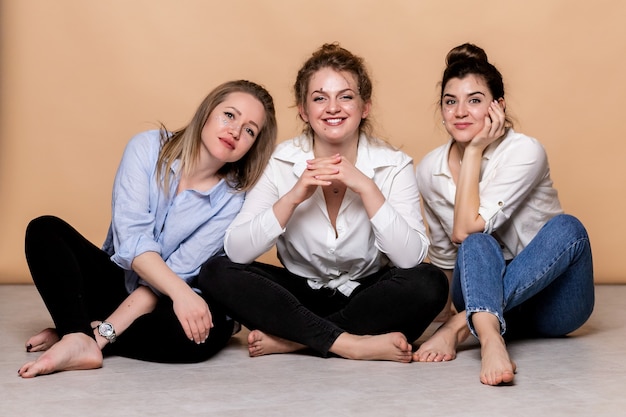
point(443, 122)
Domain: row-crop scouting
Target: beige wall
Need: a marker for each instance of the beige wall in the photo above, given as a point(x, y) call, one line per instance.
point(79, 78)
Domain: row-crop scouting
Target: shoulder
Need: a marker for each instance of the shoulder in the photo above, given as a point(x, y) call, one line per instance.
point(147, 141)
point(432, 160)
point(293, 150)
point(380, 153)
point(520, 146)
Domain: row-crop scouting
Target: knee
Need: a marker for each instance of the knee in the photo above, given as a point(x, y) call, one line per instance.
point(41, 228)
point(568, 224)
point(480, 241)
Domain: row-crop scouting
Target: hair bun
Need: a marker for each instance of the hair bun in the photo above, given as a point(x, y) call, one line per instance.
point(464, 52)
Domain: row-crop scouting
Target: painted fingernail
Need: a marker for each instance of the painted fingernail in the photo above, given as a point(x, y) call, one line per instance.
point(29, 347)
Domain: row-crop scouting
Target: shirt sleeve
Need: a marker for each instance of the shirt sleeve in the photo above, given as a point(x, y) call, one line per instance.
point(206, 242)
point(132, 221)
point(438, 210)
point(516, 170)
point(255, 229)
point(398, 225)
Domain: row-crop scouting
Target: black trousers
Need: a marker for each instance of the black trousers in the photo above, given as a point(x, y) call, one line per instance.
point(79, 284)
point(275, 301)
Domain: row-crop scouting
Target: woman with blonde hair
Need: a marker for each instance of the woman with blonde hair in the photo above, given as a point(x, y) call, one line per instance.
point(174, 195)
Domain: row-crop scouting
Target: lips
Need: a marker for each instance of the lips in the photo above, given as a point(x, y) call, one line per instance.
point(462, 126)
point(229, 143)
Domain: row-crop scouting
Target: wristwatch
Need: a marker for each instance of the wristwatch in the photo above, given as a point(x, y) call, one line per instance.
point(106, 330)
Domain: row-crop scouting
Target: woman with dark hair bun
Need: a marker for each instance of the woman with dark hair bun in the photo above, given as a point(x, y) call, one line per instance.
point(518, 266)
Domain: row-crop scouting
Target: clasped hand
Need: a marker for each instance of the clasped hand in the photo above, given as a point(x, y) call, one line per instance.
point(323, 172)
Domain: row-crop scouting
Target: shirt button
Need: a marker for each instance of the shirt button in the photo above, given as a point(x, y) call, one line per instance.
point(500, 203)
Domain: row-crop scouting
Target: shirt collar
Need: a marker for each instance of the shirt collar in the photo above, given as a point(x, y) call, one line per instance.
point(444, 169)
point(368, 160)
point(216, 193)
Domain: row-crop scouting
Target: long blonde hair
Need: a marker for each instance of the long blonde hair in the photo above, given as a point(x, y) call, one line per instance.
point(184, 144)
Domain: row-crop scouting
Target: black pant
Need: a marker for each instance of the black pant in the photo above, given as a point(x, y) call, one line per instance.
point(275, 301)
point(79, 284)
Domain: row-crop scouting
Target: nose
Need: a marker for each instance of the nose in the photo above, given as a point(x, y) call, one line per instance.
point(235, 130)
point(332, 107)
point(460, 110)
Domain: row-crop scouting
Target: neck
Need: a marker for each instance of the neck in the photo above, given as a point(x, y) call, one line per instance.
point(348, 149)
point(460, 147)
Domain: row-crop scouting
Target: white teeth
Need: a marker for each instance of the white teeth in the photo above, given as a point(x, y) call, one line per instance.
point(333, 121)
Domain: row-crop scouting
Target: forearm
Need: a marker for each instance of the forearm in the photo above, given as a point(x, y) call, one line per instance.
point(153, 269)
point(467, 220)
point(372, 198)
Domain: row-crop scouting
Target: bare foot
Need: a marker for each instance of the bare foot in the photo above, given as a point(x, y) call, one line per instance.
point(496, 368)
point(441, 346)
point(386, 347)
point(42, 340)
point(260, 344)
point(74, 351)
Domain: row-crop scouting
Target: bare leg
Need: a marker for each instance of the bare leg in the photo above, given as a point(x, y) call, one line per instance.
point(497, 368)
point(42, 340)
point(441, 346)
point(73, 352)
point(260, 344)
point(386, 347)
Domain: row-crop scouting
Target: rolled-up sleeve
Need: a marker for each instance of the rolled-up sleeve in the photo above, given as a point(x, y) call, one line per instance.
point(133, 221)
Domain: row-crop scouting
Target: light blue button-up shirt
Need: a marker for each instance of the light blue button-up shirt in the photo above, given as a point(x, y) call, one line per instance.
point(186, 228)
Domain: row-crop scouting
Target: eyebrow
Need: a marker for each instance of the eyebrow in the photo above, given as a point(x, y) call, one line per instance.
point(236, 110)
point(321, 91)
point(470, 94)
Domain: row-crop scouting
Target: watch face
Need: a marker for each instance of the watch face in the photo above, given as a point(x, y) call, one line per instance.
point(105, 329)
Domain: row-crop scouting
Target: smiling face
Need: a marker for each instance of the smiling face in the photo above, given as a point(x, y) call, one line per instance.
point(333, 106)
point(464, 106)
point(232, 127)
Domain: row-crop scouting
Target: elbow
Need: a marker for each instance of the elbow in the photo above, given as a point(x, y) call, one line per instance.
point(458, 237)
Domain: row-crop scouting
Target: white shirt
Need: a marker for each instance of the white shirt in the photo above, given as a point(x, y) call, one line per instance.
point(516, 195)
point(307, 246)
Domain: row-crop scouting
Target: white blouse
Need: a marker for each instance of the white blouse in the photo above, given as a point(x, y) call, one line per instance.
point(516, 195)
point(308, 246)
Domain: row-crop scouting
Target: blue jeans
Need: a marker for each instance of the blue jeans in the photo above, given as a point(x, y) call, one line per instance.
point(546, 290)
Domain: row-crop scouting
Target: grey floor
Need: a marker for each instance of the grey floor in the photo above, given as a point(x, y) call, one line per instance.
point(581, 375)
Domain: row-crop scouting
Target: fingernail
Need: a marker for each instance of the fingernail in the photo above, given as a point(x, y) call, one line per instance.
point(29, 347)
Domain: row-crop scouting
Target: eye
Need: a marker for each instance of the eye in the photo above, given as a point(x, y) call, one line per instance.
point(229, 115)
point(318, 99)
point(346, 97)
point(449, 102)
point(250, 132)
point(475, 100)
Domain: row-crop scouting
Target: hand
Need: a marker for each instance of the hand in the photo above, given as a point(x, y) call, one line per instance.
point(194, 315)
point(493, 129)
point(312, 176)
point(338, 169)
